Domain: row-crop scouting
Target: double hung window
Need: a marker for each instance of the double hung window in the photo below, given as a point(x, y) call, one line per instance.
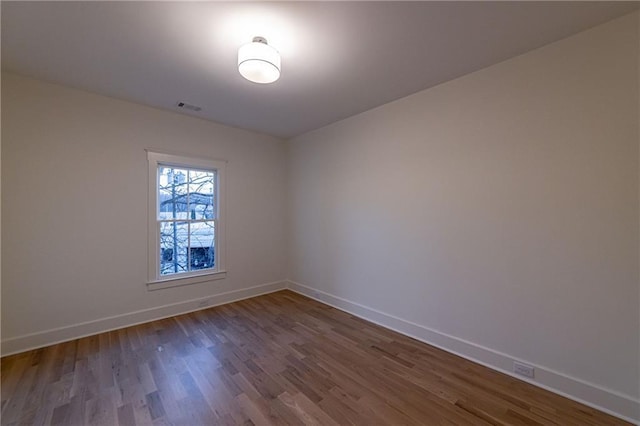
point(186, 226)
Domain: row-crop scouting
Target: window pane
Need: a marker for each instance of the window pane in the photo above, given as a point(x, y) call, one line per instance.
point(201, 194)
point(172, 193)
point(173, 247)
point(202, 245)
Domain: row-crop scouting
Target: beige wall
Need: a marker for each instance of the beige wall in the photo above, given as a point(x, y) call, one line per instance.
point(74, 205)
point(500, 208)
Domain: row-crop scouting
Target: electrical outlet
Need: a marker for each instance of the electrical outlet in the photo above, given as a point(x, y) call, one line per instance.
point(523, 369)
point(204, 303)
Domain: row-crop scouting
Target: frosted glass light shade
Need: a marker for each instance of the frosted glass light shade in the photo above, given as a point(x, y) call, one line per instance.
point(259, 62)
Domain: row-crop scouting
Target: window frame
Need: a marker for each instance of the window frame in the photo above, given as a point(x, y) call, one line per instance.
point(155, 280)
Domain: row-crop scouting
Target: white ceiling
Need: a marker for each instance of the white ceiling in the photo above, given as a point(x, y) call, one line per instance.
point(338, 58)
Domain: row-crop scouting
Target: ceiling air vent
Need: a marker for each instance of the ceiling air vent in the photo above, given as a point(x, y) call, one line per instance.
point(184, 105)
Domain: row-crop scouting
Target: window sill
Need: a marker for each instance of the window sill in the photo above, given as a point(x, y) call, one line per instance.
point(180, 281)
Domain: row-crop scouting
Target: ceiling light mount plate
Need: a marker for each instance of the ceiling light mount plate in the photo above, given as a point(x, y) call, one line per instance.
point(258, 61)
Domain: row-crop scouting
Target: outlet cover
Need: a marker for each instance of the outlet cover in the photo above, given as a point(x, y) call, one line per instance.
point(523, 369)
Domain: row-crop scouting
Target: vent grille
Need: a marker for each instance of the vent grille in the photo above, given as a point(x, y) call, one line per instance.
point(184, 105)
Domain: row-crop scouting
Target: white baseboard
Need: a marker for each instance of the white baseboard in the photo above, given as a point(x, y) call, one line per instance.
point(606, 400)
point(62, 334)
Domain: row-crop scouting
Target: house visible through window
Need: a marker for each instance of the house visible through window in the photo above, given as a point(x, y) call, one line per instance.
point(186, 205)
point(186, 217)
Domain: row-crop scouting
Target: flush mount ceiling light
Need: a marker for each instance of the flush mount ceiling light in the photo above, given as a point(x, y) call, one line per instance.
point(259, 62)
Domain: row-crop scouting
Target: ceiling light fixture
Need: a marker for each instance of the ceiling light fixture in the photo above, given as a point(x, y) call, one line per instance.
point(259, 62)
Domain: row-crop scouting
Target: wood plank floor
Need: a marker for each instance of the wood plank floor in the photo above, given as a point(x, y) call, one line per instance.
point(275, 359)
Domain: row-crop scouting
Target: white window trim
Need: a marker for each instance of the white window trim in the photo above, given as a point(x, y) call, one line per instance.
point(155, 281)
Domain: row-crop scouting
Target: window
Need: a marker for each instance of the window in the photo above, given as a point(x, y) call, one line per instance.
point(186, 226)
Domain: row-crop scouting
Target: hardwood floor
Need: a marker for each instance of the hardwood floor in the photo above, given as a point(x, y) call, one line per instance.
point(275, 359)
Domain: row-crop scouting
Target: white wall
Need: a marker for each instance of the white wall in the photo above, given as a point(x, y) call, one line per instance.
point(74, 209)
point(499, 209)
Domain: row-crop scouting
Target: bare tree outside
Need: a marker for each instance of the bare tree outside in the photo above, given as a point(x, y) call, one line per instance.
point(187, 214)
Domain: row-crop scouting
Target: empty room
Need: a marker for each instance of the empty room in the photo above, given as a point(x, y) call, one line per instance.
point(320, 213)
